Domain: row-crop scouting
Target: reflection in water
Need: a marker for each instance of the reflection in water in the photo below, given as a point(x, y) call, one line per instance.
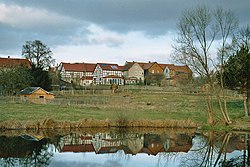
point(124, 148)
point(130, 143)
point(218, 149)
point(17, 151)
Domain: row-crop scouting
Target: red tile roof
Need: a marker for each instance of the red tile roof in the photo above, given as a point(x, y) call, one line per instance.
point(79, 67)
point(78, 148)
point(14, 62)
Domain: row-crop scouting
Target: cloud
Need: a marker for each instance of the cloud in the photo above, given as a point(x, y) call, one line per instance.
point(27, 17)
point(133, 46)
point(100, 30)
point(99, 36)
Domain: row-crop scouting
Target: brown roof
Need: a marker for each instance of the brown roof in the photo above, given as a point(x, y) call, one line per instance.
point(79, 67)
point(177, 68)
point(14, 62)
point(170, 66)
point(127, 66)
point(146, 66)
point(182, 69)
point(110, 67)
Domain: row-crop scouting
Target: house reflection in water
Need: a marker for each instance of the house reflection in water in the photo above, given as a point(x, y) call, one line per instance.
point(102, 143)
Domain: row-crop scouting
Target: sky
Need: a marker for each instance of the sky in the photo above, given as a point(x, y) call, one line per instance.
point(110, 31)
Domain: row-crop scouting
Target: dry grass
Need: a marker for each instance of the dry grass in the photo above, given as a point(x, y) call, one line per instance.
point(93, 123)
point(154, 109)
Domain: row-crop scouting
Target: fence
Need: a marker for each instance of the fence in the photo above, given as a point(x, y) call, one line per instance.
point(72, 100)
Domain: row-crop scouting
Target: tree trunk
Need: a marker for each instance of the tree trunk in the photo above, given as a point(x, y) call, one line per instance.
point(245, 105)
point(248, 101)
point(210, 115)
point(223, 109)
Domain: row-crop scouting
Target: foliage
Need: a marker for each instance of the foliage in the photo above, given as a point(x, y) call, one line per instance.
point(38, 53)
point(154, 79)
point(237, 71)
point(14, 79)
point(41, 78)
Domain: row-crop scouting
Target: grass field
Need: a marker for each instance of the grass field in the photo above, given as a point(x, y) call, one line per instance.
point(126, 106)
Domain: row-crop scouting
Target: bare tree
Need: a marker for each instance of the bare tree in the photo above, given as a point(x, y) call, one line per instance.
point(244, 37)
point(227, 23)
point(198, 28)
point(196, 35)
point(38, 53)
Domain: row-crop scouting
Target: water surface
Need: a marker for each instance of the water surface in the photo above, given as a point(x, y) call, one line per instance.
point(123, 148)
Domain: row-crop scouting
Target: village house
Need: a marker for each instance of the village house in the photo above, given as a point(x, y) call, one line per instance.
point(108, 74)
point(77, 73)
point(151, 68)
point(133, 73)
point(175, 73)
point(35, 95)
point(166, 70)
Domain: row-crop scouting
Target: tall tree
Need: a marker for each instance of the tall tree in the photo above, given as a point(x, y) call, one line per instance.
point(196, 35)
point(226, 23)
point(41, 59)
point(198, 27)
point(38, 53)
point(237, 73)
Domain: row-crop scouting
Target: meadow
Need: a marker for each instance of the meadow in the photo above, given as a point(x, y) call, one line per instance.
point(134, 108)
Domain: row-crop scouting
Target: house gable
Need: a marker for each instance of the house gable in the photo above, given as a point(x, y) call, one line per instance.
point(155, 69)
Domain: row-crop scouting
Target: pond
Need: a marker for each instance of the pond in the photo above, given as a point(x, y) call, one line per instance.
point(123, 148)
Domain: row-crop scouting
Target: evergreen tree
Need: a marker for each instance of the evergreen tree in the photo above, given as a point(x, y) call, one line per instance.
point(237, 72)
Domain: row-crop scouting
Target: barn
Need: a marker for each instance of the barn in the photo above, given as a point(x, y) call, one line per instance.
point(35, 95)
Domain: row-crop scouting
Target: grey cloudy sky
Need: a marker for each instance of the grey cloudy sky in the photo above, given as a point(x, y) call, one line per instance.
point(101, 30)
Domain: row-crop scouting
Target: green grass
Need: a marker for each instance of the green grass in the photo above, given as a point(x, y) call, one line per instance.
point(152, 106)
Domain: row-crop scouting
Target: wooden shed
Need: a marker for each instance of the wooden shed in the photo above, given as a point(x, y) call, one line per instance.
point(35, 95)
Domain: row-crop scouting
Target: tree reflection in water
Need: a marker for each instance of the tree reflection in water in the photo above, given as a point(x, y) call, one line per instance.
point(211, 149)
point(16, 151)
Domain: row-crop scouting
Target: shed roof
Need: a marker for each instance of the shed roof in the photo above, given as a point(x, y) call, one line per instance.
point(31, 90)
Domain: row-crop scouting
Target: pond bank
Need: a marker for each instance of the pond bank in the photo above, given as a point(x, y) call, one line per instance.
point(93, 123)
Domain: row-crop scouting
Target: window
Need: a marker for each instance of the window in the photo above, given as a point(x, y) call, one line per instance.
point(153, 71)
point(41, 97)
